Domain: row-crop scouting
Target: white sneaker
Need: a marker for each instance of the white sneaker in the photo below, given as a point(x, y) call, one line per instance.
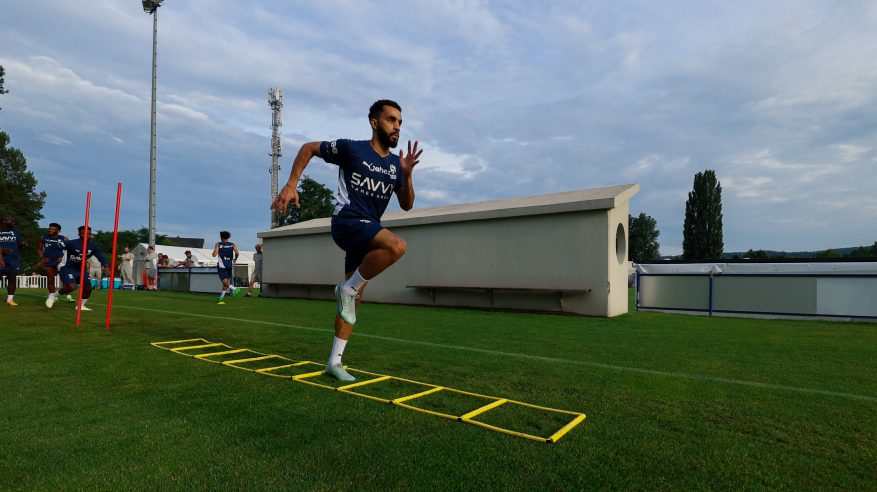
point(84, 308)
point(50, 302)
point(346, 304)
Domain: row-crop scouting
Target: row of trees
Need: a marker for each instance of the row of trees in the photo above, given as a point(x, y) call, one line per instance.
point(702, 230)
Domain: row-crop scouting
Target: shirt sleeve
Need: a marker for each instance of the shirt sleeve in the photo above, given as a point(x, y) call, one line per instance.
point(99, 254)
point(335, 152)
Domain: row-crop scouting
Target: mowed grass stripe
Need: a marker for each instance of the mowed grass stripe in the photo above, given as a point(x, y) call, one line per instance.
point(652, 372)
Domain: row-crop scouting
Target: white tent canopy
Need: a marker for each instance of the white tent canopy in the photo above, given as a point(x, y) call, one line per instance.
point(203, 256)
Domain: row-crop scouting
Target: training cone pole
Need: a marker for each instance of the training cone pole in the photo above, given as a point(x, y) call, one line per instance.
point(113, 261)
point(84, 260)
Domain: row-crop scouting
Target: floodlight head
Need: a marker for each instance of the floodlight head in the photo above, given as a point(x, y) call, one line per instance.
point(150, 6)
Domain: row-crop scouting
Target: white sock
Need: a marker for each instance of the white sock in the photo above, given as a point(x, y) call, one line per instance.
point(221, 296)
point(9, 297)
point(83, 302)
point(337, 350)
point(53, 295)
point(354, 283)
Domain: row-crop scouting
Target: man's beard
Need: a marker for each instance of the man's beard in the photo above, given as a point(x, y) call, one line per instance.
point(384, 138)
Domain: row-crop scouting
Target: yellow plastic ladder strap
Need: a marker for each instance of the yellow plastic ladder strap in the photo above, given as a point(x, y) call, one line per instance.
point(363, 383)
point(192, 347)
point(251, 359)
point(483, 409)
point(224, 352)
point(418, 395)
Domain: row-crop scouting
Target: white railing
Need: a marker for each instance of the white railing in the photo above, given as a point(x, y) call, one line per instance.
point(31, 282)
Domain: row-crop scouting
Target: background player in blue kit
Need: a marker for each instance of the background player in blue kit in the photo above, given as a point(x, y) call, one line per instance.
point(227, 253)
point(368, 175)
point(51, 250)
point(70, 271)
point(10, 240)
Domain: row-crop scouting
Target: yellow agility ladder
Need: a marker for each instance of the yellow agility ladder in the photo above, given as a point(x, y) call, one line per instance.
point(307, 372)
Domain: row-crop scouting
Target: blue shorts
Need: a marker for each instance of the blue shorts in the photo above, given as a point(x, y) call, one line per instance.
point(226, 273)
point(9, 268)
point(70, 275)
point(352, 234)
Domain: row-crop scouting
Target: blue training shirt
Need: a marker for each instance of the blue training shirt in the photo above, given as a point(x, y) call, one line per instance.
point(9, 239)
point(53, 247)
point(226, 254)
point(365, 179)
point(74, 253)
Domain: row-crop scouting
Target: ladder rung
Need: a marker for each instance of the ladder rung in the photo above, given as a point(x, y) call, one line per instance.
point(483, 409)
point(363, 383)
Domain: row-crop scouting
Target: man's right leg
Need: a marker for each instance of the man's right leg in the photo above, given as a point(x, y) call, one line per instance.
point(51, 272)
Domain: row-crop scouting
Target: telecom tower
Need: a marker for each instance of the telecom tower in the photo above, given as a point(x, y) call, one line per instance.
point(275, 100)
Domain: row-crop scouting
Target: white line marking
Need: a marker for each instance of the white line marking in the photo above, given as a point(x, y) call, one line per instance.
point(678, 375)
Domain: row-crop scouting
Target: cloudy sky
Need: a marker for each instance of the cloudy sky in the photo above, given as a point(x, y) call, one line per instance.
point(508, 98)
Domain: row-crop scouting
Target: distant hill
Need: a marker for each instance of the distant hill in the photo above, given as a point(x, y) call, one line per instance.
point(841, 252)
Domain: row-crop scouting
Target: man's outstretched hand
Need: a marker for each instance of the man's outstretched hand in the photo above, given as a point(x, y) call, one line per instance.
point(409, 161)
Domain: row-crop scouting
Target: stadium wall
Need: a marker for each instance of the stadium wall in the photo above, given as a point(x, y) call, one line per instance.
point(563, 252)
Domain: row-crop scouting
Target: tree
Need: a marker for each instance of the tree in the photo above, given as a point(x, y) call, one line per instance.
point(130, 238)
point(756, 254)
point(315, 202)
point(19, 198)
point(702, 231)
point(643, 232)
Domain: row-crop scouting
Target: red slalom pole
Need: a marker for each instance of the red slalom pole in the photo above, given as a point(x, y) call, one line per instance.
point(84, 259)
point(113, 261)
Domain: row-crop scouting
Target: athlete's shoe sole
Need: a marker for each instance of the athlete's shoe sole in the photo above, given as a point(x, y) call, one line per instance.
point(50, 302)
point(338, 372)
point(221, 303)
point(84, 308)
point(346, 305)
point(11, 303)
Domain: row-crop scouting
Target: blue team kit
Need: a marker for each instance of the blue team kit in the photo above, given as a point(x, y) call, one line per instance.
point(366, 182)
point(225, 265)
point(53, 249)
point(70, 271)
point(9, 239)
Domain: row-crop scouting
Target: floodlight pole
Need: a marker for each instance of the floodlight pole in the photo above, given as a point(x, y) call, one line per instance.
point(151, 7)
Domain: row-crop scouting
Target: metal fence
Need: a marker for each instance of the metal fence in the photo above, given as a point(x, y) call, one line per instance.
point(839, 294)
point(31, 282)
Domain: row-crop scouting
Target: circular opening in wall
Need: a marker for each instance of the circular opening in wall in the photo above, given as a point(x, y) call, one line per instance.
point(620, 244)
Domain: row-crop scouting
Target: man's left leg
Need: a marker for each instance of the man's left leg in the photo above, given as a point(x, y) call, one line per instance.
point(343, 330)
point(10, 274)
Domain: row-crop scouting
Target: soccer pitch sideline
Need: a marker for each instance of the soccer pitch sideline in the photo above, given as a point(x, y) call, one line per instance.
point(673, 401)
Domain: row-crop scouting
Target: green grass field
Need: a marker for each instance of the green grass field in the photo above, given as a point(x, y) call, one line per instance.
point(673, 401)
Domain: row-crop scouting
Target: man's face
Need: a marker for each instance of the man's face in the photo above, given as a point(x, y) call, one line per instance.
point(125, 250)
point(388, 125)
point(53, 231)
point(7, 222)
point(83, 233)
point(258, 248)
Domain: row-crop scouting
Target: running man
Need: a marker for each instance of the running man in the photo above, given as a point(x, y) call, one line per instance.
point(10, 241)
point(70, 270)
point(368, 174)
point(51, 250)
point(257, 270)
point(227, 253)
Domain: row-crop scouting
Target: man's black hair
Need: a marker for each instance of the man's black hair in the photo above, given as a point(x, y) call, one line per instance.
point(82, 228)
point(375, 110)
point(224, 235)
point(55, 224)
